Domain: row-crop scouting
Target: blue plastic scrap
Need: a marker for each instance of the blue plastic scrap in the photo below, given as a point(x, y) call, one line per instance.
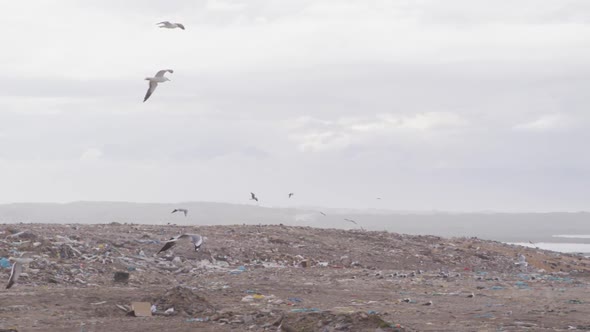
point(5, 263)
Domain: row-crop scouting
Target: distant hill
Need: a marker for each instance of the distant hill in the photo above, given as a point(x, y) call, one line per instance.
point(510, 227)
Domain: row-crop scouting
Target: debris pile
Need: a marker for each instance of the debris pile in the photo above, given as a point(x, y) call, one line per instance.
point(256, 278)
point(183, 300)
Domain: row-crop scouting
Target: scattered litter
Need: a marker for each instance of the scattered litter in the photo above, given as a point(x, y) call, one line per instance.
point(141, 309)
point(98, 303)
point(122, 307)
point(199, 319)
point(295, 299)
point(488, 315)
point(5, 263)
point(305, 310)
point(121, 276)
point(238, 270)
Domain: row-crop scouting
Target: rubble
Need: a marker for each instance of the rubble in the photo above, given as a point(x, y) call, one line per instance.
point(251, 277)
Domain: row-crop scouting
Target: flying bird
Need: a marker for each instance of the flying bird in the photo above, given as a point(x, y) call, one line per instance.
point(291, 194)
point(168, 25)
point(253, 197)
point(159, 78)
point(196, 240)
point(17, 268)
point(352, 221)
point(185, 211)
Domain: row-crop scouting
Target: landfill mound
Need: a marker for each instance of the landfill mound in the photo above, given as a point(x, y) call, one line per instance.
point(183, 300)
point(253, 278)
point(327, 321)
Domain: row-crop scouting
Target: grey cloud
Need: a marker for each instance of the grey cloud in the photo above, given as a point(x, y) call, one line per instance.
point(455, 105)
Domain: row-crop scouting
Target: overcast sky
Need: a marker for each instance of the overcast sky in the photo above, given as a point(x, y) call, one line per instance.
point(458, 105)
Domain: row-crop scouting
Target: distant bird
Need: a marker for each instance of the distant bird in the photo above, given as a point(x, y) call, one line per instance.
point(323, 214)
point(168, 25)
point(521, 261)
point(378, 197)
point(253, 197)
point(291, 194)
point(17, 268)
point(352, 221)
point(196, 240)
point(185, 211)
point(159, 78)
point(428, 303)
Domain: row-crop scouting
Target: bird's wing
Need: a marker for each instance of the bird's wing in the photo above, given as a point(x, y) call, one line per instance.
point(174, 211)
point(185, 212)
point(252, 194)
point(180, 26)
point(163, 22)
point(150, 90)
point(168, 245)
point(322, 213)
point(352, 221)
point(14, 274)
point(197, 240)
point(164, 71)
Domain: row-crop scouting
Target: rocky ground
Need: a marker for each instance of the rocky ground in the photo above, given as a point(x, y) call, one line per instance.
point(279, 278)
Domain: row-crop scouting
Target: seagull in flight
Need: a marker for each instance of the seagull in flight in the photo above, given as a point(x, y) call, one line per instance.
point(159, 78)
point(185, 211)
point(196, 240)
point(253, 197)
point(168, 25)
point(323, 214)
point(17, 268)
point(291, 194)
point(352, 221)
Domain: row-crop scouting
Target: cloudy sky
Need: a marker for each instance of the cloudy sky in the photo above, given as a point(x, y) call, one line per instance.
point(460, 105)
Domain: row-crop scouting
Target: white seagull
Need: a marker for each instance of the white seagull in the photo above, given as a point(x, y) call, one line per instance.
point(185, 211)
point(168, 25)
point(350, 220)
point(159, 78)
point(17, 268)
point(196, 239)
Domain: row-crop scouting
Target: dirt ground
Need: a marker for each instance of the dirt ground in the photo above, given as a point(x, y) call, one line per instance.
point(278, 278)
